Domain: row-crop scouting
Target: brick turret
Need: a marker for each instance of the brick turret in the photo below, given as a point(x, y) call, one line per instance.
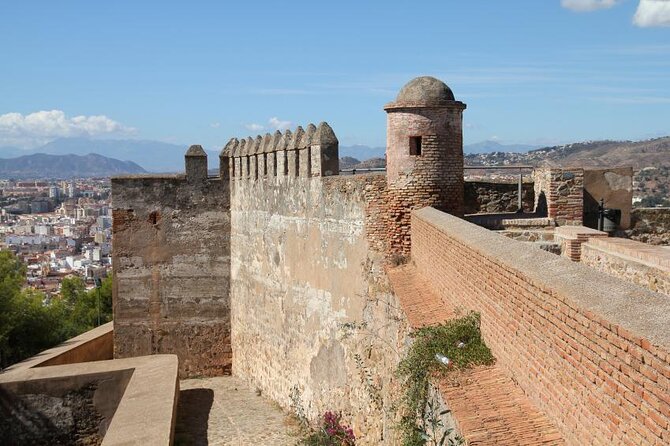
point(424, 154)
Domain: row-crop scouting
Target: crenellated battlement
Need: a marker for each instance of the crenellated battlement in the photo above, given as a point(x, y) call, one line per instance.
point(303, 153)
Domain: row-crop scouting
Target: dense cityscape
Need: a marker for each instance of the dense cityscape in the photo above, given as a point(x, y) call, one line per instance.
point(57, 229)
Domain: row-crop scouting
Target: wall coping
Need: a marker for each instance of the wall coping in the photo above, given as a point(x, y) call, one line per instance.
point(146, 413)
point(41, 359)
point(629, 306)
point(650, 255)
point(150, 176)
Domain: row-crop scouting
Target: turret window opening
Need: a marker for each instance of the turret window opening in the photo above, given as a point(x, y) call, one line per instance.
point(415, 145)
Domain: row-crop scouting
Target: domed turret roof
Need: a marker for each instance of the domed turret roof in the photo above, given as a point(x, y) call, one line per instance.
point(425, 90)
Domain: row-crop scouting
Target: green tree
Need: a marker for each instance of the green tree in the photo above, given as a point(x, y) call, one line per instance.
point(12, 276)
point(30, 324)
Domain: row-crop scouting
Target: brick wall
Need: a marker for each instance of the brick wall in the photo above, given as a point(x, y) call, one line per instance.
point(590, 351)
point(560, 193)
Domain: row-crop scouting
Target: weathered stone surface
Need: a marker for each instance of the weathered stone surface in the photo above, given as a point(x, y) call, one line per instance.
point(633, 261)
point(225, 411)
point(311, 311)
point(172, 271)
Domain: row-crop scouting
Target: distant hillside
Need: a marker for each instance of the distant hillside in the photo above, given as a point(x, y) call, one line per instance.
point(638, 154)
point(41, 165)
point(493, 146)
point(362, 152)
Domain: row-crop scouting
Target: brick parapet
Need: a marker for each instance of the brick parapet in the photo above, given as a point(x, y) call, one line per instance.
point(563, 331)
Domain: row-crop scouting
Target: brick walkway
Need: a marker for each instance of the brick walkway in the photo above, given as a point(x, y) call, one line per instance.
point(488, 407)
point(224, 411)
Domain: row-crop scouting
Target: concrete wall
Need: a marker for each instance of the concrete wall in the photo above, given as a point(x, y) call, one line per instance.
point(615, 186)
point(94, 345)
point(590, 351)
point(314, 324)
point(171, 265)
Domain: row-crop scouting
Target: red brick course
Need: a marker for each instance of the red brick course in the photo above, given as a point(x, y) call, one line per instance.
point(599, 382)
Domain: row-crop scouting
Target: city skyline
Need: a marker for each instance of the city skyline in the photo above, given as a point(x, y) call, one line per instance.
point(537, 73)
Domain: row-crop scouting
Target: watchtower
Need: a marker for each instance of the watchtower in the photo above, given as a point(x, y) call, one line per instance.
point(424, 153)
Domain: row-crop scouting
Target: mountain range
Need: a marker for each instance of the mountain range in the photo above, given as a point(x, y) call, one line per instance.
point(157, 156)
point(42, 165)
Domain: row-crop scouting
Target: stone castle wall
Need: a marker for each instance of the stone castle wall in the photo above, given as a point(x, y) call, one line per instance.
point(314, 324)
point(171, 265)
point(274, 269)
point(590, 351)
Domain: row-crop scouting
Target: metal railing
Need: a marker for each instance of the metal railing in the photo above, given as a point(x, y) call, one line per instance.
point(353, 171)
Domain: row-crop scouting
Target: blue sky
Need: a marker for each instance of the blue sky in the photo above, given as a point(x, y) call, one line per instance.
point(530, 71)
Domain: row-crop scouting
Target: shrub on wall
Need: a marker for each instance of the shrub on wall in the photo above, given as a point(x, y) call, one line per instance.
point(435, 351)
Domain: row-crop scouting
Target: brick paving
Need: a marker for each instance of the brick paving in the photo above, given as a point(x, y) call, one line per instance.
point(224, 411)
point(489, 408)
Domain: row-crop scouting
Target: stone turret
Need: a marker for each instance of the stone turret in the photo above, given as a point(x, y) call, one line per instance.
point(424, 153)
point(196, 164)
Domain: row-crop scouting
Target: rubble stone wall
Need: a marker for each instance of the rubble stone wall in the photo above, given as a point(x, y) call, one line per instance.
point(488, 197)
point(563, 331)
point(650, 225)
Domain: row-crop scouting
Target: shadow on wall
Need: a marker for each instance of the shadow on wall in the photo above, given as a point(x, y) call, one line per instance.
point(193, 417)
point(591, 206)
point(542, 209)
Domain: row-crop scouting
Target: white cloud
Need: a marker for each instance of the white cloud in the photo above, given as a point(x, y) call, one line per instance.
point(278, 124)
point(273, 123)
point(215, 125)
point(588, 5)
point(652, 13)
point(41, 127)
point(254, 127)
